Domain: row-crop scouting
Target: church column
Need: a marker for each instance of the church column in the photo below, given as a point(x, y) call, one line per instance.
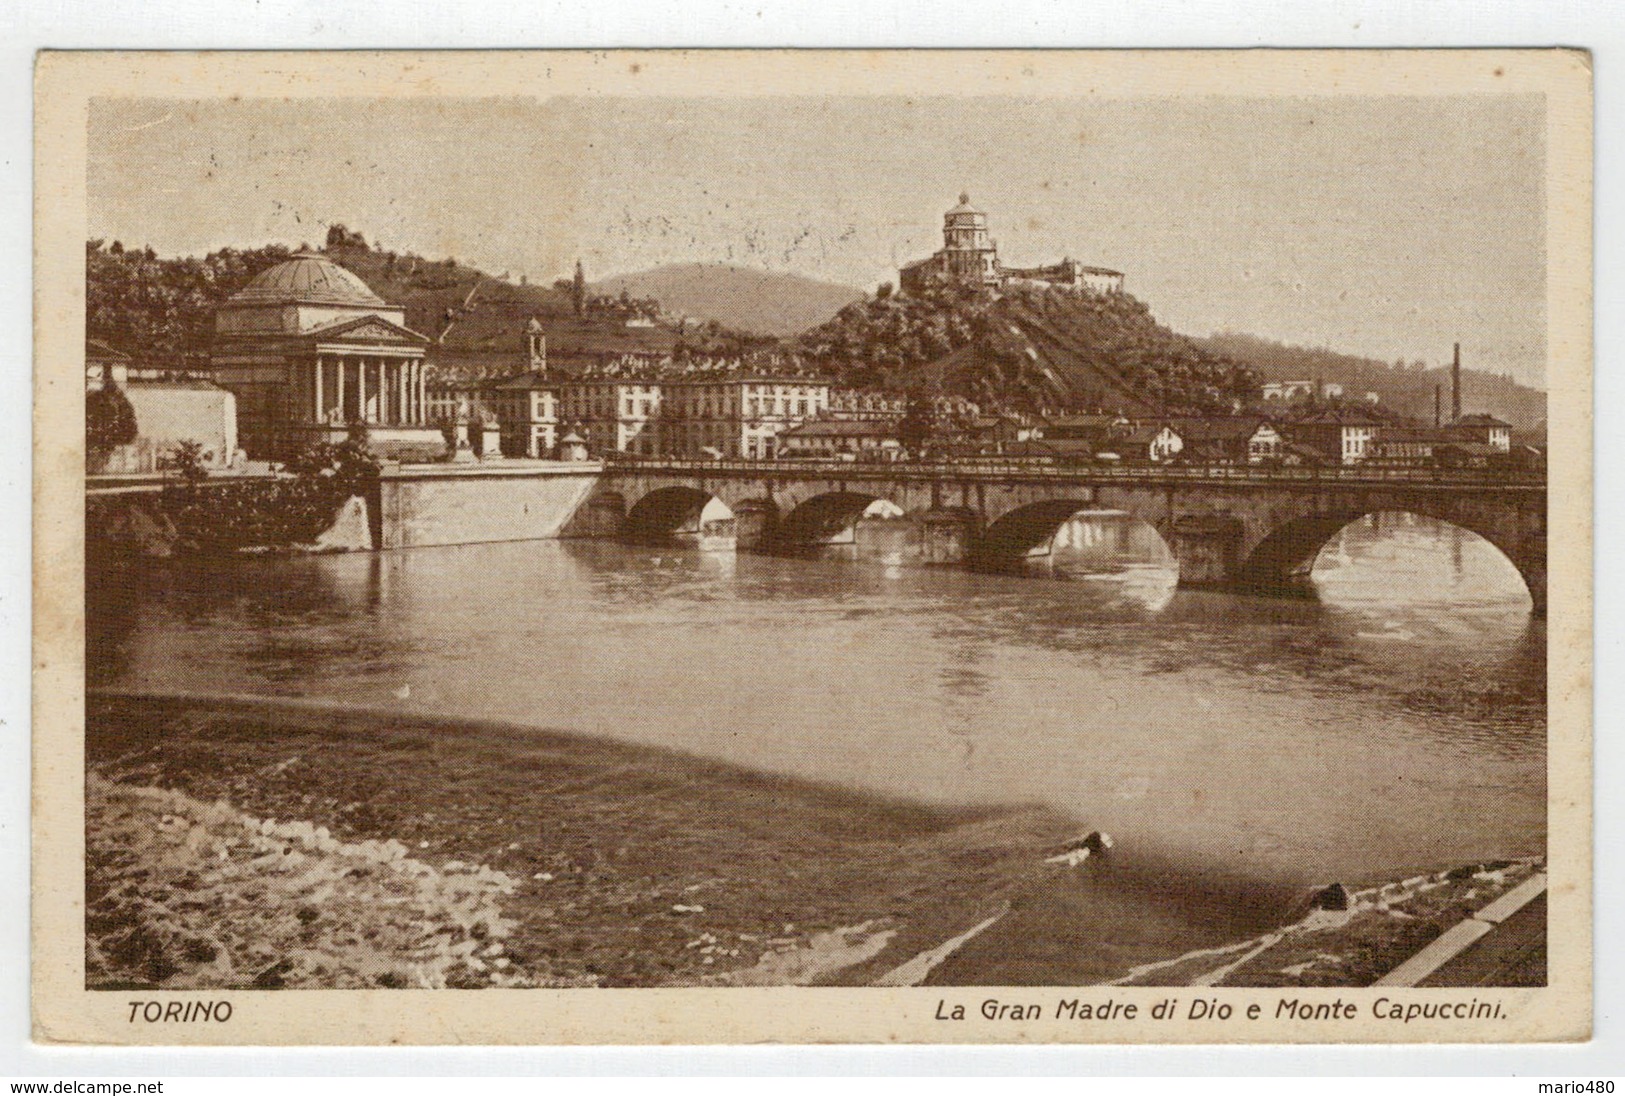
point(383, 393)
point(338, 368)
point(398, 386)
point(361, 389)
point(316, 391)
point(420, 392)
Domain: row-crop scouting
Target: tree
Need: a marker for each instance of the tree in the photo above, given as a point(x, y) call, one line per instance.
point(918, 426)
point(109, 422)
point(340, 236)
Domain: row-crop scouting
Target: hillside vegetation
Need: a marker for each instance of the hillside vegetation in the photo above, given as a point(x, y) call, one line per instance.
point(160, 310)
point(1028, 348)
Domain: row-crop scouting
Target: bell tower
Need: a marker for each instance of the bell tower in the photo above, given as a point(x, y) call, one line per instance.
point(536, 344)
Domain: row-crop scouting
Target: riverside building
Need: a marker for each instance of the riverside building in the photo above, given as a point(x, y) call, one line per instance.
point(613, 414)
point(307, 349)
point(738, 415)
point(708, 409)
point(171, 406)
point(527, 414)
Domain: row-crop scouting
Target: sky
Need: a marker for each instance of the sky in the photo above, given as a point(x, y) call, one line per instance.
point(1388, 227)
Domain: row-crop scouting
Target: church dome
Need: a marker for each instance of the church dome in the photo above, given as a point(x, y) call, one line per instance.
point(308, 278)
point(964, 206)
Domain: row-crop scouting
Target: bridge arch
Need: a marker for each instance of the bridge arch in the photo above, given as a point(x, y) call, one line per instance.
point(1024, 530)
point(680, 513)
point(1283, 557)
point(831, 518)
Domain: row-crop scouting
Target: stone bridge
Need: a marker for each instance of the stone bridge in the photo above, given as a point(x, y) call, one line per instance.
point(1225, 526)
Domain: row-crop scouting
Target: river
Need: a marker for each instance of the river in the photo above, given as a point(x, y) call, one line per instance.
point(1395, 723)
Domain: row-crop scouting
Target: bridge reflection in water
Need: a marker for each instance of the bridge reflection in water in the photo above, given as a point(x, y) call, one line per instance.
point(1225, 527)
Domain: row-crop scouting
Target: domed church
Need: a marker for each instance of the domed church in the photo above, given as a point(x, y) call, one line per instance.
point(308, 349)
point(969, 256)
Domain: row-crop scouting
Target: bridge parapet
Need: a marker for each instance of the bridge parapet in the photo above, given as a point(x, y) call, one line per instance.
point(1237, 526)
point(1003, 471)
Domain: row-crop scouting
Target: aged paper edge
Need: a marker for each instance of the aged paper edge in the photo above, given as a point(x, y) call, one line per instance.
point(64, 1012)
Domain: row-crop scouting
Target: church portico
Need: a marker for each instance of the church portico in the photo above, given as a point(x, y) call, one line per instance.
point(342, 386)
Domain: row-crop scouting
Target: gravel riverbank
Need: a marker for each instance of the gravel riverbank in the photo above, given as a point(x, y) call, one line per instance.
point(253, 843)
point(288, 844)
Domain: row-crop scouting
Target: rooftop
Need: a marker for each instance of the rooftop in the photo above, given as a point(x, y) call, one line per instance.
point(523, 381)
point(842, 428)
point(307, 278)
point(1216, 429)
point(1338, 416)
point(96, 350)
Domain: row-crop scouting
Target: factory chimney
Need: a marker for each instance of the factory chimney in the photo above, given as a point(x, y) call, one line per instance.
point(1438, 396)
point(1455, 384)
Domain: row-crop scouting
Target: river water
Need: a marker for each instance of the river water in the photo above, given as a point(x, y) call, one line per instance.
point(1393, 724)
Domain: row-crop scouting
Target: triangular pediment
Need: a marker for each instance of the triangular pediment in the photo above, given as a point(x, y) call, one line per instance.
point(367, 329)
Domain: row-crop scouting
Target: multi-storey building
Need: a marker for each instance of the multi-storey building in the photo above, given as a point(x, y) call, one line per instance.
point(737, 414)
point(615, 414)
point(858, 404)
point(527, 414)
point(1347, 435)
point(701, 410)
point(1486, 429)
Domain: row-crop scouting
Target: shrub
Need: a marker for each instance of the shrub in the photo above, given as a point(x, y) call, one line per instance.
point(188, 461)
point(279, 513)
point(109, 422)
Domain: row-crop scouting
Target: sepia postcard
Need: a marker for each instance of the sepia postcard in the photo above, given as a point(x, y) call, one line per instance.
point(812, 546)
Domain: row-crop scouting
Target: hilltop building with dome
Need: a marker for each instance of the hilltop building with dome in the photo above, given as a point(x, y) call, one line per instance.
point(307, 349)
point(969, 256)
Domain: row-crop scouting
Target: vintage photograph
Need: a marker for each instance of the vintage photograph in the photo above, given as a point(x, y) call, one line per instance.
point(1039, 533)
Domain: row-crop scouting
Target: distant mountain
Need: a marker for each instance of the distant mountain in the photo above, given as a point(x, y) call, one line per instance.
point(739, 298)
point(478, 321)
point(1404, 387)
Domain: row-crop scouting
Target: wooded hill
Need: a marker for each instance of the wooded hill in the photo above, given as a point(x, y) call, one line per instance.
point(1405, 388)
point(1028, 348)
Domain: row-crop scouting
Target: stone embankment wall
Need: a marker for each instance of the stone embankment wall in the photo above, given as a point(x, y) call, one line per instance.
point(428, 506)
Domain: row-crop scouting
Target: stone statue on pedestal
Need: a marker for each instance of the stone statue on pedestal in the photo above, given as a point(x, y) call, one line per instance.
point(461, 451)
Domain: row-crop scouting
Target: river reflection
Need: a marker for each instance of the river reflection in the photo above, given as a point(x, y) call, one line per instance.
point(1393, 725)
